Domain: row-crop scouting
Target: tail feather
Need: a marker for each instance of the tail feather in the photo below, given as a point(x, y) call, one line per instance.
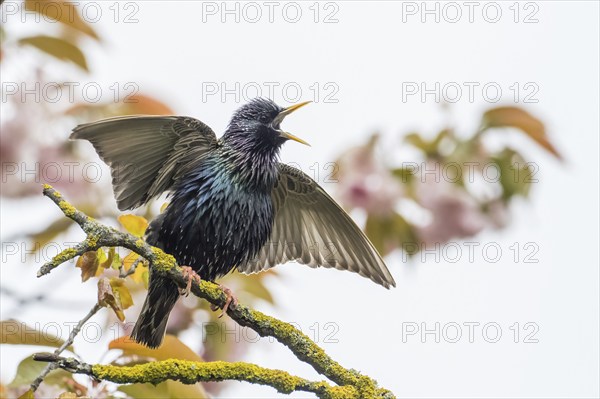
point(151, 325)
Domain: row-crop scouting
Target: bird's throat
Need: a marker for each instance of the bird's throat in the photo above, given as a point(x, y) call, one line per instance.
point(254, 167)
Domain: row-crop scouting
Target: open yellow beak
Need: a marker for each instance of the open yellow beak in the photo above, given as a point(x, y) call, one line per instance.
point(290, 136)
point(285, 113)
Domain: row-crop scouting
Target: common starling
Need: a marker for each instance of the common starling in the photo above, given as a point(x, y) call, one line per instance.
point(233, 204)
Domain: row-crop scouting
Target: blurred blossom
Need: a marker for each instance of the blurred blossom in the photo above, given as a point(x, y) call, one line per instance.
point(498, 213)
point(365, 182)
point(454, 213)
point(32, 153)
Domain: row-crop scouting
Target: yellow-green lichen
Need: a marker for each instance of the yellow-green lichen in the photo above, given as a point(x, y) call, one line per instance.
point(67, 208)
point(306, 349)
point(190, 372)
point(366, 387)
point(343, 392)
point(92, 240)
point(56, 194)
point(162, 261)
point(139, 243)
point(65, 255)
point(212, 290)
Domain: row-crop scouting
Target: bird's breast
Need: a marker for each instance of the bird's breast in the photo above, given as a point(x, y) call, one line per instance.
point(214, 223)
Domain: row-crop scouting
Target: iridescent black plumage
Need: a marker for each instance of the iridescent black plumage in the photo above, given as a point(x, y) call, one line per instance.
point(233, 204)
point(228, 187)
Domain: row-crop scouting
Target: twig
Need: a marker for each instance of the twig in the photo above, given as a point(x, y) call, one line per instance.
point(126, 273)
point(99, 235)
point(51, 366)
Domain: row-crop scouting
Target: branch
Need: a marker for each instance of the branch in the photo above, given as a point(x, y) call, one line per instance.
point(99, 235)
point(190, 372)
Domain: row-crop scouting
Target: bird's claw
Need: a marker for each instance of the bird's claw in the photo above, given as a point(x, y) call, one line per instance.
point(230, 301)
point(189, 275)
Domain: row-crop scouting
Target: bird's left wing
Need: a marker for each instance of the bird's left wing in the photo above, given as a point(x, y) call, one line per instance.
point(146, 154)
point(312, 229)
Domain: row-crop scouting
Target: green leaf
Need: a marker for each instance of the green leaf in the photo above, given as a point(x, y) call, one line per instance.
point(61, 11)
point(417, 141)
point(520, 119)
point(429, 147)
point(59, 48)
point(116, 263)
point(405, 175)
point(516, 175)
point(18, 333)
point(29, 369)
point(390, 232)
point(111, 260)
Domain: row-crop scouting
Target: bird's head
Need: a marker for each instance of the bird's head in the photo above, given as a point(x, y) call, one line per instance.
point(257, 126)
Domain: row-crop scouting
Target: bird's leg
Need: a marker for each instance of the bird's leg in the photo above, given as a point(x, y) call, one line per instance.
point(231, 301)
point(190, 275)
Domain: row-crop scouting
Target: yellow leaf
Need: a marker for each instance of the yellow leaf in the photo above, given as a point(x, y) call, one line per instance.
point(141, 275)
point(171, 348)
point(129, 260)
point(121, 292)
point(141, 272)
point(14, 332)
point(135, 225)
point(101, 255)
point(251, 285)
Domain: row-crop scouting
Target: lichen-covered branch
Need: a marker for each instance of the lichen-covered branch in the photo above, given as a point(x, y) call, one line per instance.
point(99, 235)
point(190, 372)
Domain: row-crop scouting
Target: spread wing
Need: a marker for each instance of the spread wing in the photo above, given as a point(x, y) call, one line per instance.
point(146, 154)
point(311, 228)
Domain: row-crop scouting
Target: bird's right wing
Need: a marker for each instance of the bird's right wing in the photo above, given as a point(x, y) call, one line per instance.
point(312, 229)
point(146, 154)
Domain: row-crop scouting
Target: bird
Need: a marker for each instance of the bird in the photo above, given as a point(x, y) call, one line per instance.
point(232, 203)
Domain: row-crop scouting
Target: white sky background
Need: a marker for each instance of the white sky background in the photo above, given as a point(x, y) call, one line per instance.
point(367, 55)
